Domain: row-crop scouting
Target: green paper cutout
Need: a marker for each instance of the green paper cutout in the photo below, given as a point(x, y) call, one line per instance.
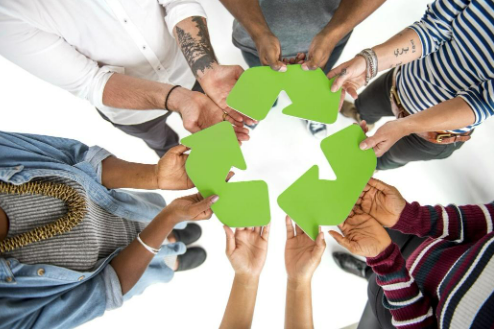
point(310, 92)
point(311, 202)
point(214, 151)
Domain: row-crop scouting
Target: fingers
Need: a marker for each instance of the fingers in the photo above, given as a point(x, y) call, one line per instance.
point(178, 150)
point(272, 59)
point(289, 228)
point(202, 209)
point(352, 92)
point(228, 117)
point(379, 185)
point(230, 240)
point(230, 175)
point(320, 242)
point(298, 230)
point(265, 231)
point(242, 133)
point(258, 229)
point(368, 143)
point(363, 125)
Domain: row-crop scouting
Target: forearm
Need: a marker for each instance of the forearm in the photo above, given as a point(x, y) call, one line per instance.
point(131, 263)
point(349, 14)
point(298, 311)
point(463, 223)
point(249, 14)
point(449, 115)
point(240, 308)
point(402, 295)
point(192, 36)
point(402, 48)
point(118, 173)
point(126, 92)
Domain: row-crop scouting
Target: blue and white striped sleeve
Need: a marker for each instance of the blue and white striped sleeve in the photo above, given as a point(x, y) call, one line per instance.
point(436, 25)
point(481, 100)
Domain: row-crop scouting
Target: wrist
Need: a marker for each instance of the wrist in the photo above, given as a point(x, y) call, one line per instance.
point(176, 98)
point(299, 283)
point(247, 280)
point(406, 126)
point(207, 76)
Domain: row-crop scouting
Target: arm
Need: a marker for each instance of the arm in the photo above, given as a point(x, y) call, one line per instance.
point(249, 14)
point(132, 261)
point(192, 36)
point(168, 174)
point(455, 223)
point(246, 250)
point(349, 14)
point(302, 257)
point(363, 235)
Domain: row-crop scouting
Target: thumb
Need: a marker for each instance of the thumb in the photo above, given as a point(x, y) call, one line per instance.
point(204, 205)
point(278, 65)
point(369, 143)
point(230, 240)
point(342, 241)
point(320, 244)
point(311, 64)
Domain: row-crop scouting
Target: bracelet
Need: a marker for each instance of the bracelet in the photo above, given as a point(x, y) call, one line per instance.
point(148, 248)
point(371, 62)
point(168, 96)
point(374, 61)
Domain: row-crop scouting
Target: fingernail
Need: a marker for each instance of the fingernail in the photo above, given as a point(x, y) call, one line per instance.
point(333, 89)
point(363, 146)
point(215, 199)
point(282, 69)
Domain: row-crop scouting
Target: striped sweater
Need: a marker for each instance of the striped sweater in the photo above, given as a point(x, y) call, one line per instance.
point(448, 282)
point(457, 39)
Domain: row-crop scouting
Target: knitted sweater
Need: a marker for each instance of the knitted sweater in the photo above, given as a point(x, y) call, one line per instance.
point(448, 282)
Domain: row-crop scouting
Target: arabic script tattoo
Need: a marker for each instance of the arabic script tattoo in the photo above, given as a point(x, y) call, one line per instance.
point(197, 50)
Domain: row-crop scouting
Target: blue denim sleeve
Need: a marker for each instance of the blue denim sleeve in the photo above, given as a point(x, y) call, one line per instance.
point(65, 308)
point(113, 289)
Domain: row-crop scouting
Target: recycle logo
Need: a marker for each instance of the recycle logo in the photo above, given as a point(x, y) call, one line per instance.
point(309, 201)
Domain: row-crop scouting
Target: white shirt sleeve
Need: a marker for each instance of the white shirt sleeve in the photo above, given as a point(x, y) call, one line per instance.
point(178, 10)
point(51, 58)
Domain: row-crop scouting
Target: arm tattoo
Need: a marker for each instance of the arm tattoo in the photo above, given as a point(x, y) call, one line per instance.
point(413, 45)
point(397, 52)
point(197, 51)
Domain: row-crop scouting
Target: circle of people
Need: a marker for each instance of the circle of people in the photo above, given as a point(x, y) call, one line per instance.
point(72, 239)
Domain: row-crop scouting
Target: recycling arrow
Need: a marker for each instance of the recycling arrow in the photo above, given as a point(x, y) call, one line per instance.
point(214, 151)
point(311, 202)
point(310, 92)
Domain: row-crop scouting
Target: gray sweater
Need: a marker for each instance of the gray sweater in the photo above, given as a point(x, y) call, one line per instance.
point(294, 22)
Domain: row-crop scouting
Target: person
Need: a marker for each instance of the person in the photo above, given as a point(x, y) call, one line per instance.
point(439, 88)
point(73, 244)
point(434, 267)
point(246, 249)
point(281, 32)
point(134, 61)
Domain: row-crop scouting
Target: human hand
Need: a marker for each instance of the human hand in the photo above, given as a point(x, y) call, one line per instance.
point(170, 170)
point(350, 76)
point(217, 83)
point(199, 112)
point(299, 59)
point(362, 235)
point(384, 138)
point(269, 50)
point(382, 201)
point(246, 249)
point(302, 255)
point(191, 207)
point(320, 49)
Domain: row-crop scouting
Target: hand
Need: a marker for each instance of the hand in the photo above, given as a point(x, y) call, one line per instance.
point(191, 207)
point(384, 138)
point(320, 49)
point(246, 249)
point(363, 236)
point(170, 170)
point(350, 76)
point(217, 84)
point(199, 112)
point(382, 201)
point(299, 59)
point(269, 50)
point(302, 255)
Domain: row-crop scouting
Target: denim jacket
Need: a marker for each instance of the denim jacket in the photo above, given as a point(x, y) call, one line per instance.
point(46, 296)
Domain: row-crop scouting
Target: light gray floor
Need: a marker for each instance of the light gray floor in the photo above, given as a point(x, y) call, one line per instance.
point(279, 152)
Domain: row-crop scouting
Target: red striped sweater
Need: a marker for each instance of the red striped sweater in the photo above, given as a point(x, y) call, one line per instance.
point(448, 282)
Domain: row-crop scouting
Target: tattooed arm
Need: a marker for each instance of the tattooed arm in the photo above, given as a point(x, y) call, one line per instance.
point(217, 80)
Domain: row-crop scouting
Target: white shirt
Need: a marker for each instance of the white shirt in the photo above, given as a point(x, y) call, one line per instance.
point(78, 44)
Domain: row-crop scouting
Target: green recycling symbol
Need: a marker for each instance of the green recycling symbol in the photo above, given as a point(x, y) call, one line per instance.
point(309, 201)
